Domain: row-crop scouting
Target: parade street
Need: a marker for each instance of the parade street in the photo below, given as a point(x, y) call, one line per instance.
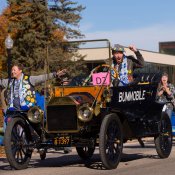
point(135, 161)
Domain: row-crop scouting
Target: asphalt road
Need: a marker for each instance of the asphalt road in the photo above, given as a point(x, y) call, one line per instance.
point(135, 161)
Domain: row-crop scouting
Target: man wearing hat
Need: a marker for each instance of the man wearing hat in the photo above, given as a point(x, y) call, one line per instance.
point(125, 65)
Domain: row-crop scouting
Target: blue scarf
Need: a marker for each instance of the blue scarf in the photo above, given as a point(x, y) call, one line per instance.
point(26, 95)
point(123, 73)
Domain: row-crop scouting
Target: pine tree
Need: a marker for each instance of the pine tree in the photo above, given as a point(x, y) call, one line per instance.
point(38, 27)
point(67, 15)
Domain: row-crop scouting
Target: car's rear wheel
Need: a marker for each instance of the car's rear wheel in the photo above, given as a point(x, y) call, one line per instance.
point(163, 141)
point(17, 143)
point(111, 141)
point(85, 152)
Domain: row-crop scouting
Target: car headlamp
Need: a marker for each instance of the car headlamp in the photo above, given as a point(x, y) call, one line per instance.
point(85, 113)
point(35, 114)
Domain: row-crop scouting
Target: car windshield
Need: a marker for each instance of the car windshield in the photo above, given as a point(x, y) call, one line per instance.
point(86, 64)
point(82, 61)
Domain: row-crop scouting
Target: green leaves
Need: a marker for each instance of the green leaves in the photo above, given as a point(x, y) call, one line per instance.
point(39, 24)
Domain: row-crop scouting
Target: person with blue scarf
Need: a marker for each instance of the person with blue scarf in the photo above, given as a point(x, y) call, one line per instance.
point(20, 87)
point(125, 65)
point(21, 93)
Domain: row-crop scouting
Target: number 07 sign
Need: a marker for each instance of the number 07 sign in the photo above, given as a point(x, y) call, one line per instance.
point(101, 78)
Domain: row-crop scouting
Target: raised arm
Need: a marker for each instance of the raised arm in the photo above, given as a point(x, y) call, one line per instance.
point(36, 80)
point(139, 62)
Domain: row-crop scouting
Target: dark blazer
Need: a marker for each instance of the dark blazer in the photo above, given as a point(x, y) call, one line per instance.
point(132, 63)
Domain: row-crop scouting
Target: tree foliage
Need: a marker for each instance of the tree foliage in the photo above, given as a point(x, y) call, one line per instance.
point(37, 28)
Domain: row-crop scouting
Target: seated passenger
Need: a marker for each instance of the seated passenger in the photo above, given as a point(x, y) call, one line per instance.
point(165, 93)
point(66, 81)
point(125, 65)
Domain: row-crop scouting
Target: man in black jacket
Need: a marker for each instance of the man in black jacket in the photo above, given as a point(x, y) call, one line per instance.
point(125, 65)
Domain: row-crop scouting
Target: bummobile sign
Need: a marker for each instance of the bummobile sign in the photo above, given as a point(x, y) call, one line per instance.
point(131, 96)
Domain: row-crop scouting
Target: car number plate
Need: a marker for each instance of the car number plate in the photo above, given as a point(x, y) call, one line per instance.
point(62, 141)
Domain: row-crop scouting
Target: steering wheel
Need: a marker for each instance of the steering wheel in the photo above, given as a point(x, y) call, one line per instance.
point(114, 75)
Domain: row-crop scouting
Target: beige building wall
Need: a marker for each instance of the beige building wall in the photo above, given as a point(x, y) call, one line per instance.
point(155, 57)
point(100, 54)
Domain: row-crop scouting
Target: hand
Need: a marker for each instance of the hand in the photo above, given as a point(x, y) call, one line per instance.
point(160, 92)
point(133, 48)
point(61, 73)
point(163, 88)
point(166, 89)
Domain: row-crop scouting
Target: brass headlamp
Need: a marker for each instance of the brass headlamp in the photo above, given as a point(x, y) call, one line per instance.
point(85, 113)
point(35, 115)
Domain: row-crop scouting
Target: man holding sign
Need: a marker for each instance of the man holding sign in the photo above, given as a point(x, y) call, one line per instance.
point(125, 65)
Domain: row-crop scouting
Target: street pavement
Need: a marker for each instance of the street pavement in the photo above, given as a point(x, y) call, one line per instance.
point(135, 161)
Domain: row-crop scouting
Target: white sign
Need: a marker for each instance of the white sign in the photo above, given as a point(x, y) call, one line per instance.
point(132, 96)
point(102, 78)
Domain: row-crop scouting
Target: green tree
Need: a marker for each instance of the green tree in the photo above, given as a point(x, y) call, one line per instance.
point(66, 14)
point(39, 26)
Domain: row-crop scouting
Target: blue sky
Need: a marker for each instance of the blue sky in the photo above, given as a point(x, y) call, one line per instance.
point(141, 22)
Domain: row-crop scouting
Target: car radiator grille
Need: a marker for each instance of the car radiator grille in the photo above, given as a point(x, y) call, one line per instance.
point(61, 118)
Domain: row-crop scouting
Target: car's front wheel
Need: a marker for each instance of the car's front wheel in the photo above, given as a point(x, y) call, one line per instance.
point(111, 141)
point(16, 141)
point(163, 141)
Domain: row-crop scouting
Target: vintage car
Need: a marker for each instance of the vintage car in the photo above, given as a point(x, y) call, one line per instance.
point(90, 112)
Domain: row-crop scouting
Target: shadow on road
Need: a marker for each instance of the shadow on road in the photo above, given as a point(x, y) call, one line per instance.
point(75, 161)
point(70, 160)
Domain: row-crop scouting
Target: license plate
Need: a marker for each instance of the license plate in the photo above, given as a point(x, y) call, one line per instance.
point(62, 141)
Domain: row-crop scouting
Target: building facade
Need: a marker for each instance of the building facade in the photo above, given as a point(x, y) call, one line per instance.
point(154, 62)
point(167, 47)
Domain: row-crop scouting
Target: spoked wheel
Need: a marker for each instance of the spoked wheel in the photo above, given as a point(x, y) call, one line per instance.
point(111, 141)
point(163, 141)
point(17, 143)
point(85, 152)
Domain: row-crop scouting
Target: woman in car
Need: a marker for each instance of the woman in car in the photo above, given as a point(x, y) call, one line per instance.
point(166, 93)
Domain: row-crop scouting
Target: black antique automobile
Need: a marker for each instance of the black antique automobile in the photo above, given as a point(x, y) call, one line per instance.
point(90, 112)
